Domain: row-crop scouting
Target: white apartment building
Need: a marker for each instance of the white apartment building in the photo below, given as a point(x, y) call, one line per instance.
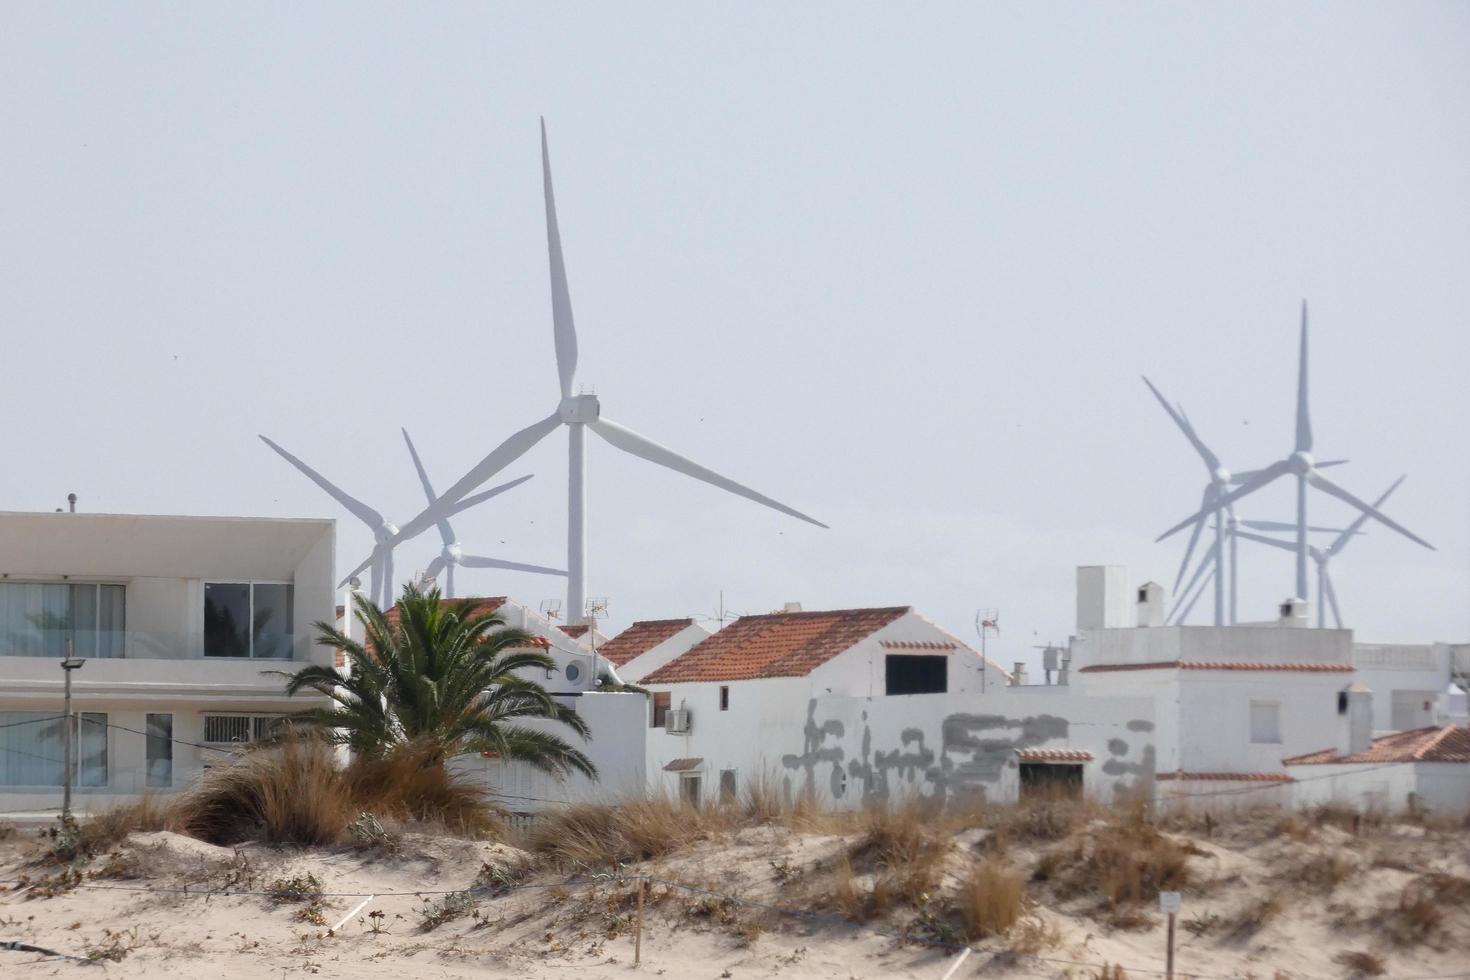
point(178, 622)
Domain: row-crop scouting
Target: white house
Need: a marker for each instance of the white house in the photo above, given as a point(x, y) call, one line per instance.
point(648, 644)
point(858, 705)
point(1410, 682)
point(176, 621)
point(1425, 768)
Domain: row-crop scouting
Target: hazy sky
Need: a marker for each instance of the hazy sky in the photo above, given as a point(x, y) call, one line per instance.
point(899, 266)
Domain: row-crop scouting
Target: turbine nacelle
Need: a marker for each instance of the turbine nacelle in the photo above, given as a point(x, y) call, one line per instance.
point(386, 532)
point(1302, 462)
point(580, 408)
point(1222, 477)
point(453, 554)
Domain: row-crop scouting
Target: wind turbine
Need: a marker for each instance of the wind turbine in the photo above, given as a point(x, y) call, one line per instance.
point(1306, 470)
point(452, 554)
point(386, 535)
point(1323, 556)
point(1220, 482)
point(578, 412)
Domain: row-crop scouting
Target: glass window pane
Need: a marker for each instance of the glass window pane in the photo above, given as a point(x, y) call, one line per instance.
point(111, 620)
point(92, 750)
point(160, 750)
point(34, 619)
point(226, 620)
point(273, 621)
point(83, 620)
point(31, 748)
point(225, 729)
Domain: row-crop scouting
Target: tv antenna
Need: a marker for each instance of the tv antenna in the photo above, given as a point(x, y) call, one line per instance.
point(551, 608)
point(987, 621)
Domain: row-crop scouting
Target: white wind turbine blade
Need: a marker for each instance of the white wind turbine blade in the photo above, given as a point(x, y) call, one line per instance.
point(1265, 476)
point(484, 495)
point(479, 561)
point(1212, 462)
point(1285, 526)
point(435, 567)
point(1327, 486)
point(1269, 542)
point(631, 442)
point(359, 509)
point(564, 331)
point(1206, 564)
point(1355, 526)
point(1331, 596)
point(1303, 414)
point(1199, 526)
point(446, 533)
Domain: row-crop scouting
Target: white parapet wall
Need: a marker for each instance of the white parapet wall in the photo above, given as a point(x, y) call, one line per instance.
point(848, 751)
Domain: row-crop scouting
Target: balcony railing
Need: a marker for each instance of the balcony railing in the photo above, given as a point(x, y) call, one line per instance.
point(149, 645)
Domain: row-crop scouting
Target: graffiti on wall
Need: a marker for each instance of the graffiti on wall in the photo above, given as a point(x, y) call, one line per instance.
point(968, 763)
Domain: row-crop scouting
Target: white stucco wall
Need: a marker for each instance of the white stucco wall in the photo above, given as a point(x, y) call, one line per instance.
point(1388, 667)
point(848, 750)
point(617, 748)
point(860, 670)
point(1255, 644)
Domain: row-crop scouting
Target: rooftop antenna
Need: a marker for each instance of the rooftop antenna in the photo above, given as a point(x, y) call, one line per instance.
point(551, 608)
point(987, 621)
point(596, 609)
point(578, 412)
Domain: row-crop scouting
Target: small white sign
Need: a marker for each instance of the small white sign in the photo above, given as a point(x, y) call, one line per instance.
point(1170, 903)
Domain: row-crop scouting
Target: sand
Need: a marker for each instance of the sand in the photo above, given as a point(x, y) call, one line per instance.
point(121, 915)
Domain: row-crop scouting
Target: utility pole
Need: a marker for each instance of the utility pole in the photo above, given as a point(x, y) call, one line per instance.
point(68, 665)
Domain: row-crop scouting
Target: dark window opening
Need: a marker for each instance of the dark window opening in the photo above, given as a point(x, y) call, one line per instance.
point(689, 790)
point(1050, 781)
point(662, 702)
point(724, 697)
point(905, 674)
point(727, 786)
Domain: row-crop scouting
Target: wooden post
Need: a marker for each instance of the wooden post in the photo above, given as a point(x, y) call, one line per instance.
point(638, 926)
point(1169, 957)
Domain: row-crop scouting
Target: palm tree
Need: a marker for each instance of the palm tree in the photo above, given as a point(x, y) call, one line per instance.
point(442, 678)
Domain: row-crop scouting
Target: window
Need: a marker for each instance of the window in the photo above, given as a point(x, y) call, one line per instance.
point(241, 729)
point(33, 749)
point(1266, 722)
point(728, 789)
point(160, 749)
point(1050, 781)
point(245, 619)
point(724, 697)
point(40, 619)
point(662, 701)
point(689, 790)
point(907, 674)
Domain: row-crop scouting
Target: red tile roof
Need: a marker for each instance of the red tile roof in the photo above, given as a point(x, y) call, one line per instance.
point(575, 632)
point(917, 645)
point(1450, 743)
point(641, 637)
point(1054, 755)
point(1226, 777)
point(1220, 665)
point(775, 645)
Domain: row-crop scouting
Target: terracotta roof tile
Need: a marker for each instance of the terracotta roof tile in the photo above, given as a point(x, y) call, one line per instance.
point(1220, 665)
point(775, 645)
point(917, 645)
point(575, 632)
point(1448, 743)
point(1226, 777)
point(1054, 755)
point(639, 638)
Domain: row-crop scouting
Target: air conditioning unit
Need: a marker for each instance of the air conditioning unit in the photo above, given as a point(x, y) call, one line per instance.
point(676, 722)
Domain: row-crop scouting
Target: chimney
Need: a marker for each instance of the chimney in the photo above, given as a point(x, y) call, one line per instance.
point(1102, 596)
point(791, 607)
point(1018, 676)
point(71, 502)
point(1354, 719)
point(1293, 612)
point(1151, 604)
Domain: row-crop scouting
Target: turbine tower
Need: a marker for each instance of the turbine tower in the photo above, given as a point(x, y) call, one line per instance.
point(386, 535)
point(452, 554)
point(578, 412)
point(1305, 468)
point(1326, 594)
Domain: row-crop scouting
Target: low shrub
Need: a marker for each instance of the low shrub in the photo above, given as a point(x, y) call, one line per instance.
point(992, 899)
point(1360, 964)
